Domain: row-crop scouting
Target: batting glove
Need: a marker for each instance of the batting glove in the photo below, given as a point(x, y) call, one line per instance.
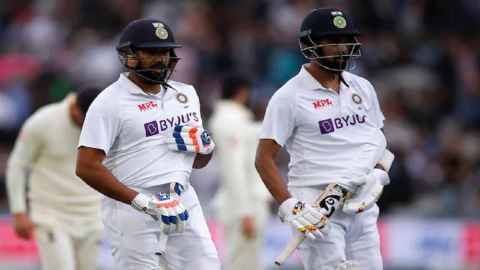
point(165, 207)
point(191, 139)
point(307, 220)
point(371, 188)
point(348, 265)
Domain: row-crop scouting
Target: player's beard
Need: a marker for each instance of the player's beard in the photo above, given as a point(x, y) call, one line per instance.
point(156, 74)
point(333, 65)
point(152, 77)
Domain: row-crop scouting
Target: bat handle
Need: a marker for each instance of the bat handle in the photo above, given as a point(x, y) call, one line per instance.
point(162, 244)
point(289, 249)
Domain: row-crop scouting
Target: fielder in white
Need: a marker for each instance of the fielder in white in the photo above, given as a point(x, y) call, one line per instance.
point(330, 122)
point(245, 200)
point(141, 137)
point(62, 210)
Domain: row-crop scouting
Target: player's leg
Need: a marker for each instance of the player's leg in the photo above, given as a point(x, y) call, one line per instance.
point(363, 242)
point(86, 251)
point(328, 252)
point(56, 248)
point(193, 249)
point(243, 252)
point(132, 236)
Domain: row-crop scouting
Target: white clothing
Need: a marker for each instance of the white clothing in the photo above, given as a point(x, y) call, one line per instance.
point(132, 128)
point(61, 251)
point(351, 237)
point(242, 191)
point(65, 211)
point(134, 237)
point(236, 137)
point(329, 136)
point(46, 148)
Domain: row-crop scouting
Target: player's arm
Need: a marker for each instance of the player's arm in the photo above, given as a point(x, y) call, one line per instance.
point(304, 218)
point(267, 152)
point(164, 206)
point(25, 152)
point(91, 170)
point(202, 160)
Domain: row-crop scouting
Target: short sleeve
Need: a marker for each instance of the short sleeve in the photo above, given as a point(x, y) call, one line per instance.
point(196, 103)
point(279, 118)
point(377, 112)
point(101, 126)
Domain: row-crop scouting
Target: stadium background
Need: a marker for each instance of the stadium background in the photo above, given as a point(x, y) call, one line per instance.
point(422, 56)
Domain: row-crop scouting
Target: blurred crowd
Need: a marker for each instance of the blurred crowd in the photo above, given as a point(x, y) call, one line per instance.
point(422, 56)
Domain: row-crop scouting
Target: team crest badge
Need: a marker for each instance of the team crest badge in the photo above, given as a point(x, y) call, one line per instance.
point(339, 22)
point(182, 98)
point(356, 99)
point(160, 30)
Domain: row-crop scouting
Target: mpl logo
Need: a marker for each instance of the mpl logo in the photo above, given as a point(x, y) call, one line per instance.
point(322, 103)
point(329, 125)
point(147, 106)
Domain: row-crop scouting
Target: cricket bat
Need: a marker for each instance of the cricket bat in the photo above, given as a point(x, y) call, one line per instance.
point(331, 199)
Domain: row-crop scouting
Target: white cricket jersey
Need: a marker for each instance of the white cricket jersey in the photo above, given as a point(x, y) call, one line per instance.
point(236, 138)
point(330, 137)
point(132, 128)
point(46, 148)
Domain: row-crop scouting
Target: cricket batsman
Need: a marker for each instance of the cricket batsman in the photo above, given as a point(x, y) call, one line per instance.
point(329, 120)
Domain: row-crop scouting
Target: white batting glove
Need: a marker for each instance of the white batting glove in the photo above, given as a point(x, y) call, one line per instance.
point(165, 207)
point(348, 265)
point(307, 220)
point(191, 139)
point(371, 188)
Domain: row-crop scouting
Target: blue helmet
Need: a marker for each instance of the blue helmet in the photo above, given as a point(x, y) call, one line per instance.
point(328, 22)
point(147, 34)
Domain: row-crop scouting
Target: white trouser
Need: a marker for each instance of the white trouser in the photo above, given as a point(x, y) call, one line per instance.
point(62, 251)
point(243, 252)
point(351, 237)
point(133, 237)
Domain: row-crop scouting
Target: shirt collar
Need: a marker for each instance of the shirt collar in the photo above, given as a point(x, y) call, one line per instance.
point(313, 84)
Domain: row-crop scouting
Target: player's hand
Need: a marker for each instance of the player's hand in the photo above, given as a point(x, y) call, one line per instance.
point(370, 189)
point(307, 220)
point(191, 139)
point(23, 226)
point(165, 207)
point(248, 227)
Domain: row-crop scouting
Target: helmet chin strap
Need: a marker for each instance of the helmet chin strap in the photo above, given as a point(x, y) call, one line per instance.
point(326, 67)
point(342, 66)
point(146, 77)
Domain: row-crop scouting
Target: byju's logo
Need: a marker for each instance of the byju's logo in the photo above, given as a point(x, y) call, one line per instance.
point(151, 128)
point(329, 125)
point(154, 127)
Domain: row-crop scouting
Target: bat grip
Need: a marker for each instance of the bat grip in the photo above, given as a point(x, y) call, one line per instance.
point(162, 244)
point(289, 249)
